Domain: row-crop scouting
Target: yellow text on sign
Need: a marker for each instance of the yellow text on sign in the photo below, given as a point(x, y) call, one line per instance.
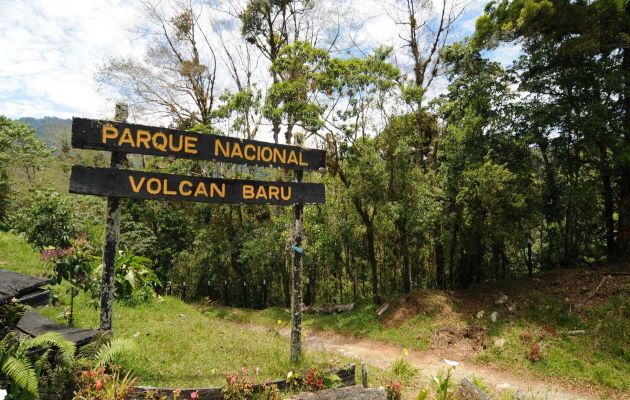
point(184, 188)
point(260, 153)
point(138, 138)
point(270, 192)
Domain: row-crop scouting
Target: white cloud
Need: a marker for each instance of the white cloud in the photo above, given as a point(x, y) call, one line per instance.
point(51, 50)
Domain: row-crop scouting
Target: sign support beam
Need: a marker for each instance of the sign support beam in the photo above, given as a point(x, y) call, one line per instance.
point(112, 232)
point(296, 300)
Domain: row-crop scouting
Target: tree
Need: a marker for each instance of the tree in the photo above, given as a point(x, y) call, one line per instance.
point(596, 30)
point(270, 25)
point(178, 74)
point(20, 146)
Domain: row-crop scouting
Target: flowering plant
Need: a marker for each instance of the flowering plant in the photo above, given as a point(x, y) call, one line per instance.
point(73, 264)
point(393, 390)
point(97, 384)
point(239, 386)
point(313, 380)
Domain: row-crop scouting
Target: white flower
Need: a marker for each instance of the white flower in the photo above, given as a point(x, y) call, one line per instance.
point(3, 394)
point(451, 363)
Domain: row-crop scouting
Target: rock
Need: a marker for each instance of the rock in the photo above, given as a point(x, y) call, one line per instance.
point(503, 386)
point(493, 316)
point(469, 391)
point(499, 342)
point(576, 332)
point(501, 300)
point(480, 314)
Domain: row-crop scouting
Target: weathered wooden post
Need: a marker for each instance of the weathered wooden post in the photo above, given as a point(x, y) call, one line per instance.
point(112, 231)
point(296, 299)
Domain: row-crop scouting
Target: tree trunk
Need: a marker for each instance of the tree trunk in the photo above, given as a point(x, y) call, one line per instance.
point(369, 232)
point(439, 262)
point(404, 253)
point(530, 264)
point(607, 193)
point(623, 242)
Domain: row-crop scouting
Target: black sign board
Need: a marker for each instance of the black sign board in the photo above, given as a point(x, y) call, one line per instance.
point(141, 139)
point(159, 186)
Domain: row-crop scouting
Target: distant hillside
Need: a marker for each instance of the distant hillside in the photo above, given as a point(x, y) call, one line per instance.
point(51, 130)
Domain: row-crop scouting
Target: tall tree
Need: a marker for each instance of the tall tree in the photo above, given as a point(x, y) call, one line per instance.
point(597, 29)
point(177, 76)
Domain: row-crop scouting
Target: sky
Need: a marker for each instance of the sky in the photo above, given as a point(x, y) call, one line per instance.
point(51, 50)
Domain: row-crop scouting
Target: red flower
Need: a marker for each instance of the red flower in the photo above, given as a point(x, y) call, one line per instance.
point(99, 384)
point(193, 395)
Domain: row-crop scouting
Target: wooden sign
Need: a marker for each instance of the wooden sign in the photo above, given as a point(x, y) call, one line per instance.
point(141, 139)
point(159, 186)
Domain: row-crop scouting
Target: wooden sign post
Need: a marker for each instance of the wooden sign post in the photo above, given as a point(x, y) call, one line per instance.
point(296, 299)
point(121, 138)
point(112, 231)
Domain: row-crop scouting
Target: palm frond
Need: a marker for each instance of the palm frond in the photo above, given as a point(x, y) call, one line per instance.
point(22, 374)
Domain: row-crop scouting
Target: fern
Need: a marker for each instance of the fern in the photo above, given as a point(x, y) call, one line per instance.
point(22, 374)
point(109, 351)
point(52, 339)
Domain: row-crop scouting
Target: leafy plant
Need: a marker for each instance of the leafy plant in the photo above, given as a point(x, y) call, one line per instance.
point(239, 387)
point(19, 373)
point(404, 370)
point(135, 281)
point(45, 219)
point(442, 383)
point(97, 384)
point(74, 265)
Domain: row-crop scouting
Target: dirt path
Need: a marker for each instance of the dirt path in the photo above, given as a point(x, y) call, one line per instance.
point(383, 355)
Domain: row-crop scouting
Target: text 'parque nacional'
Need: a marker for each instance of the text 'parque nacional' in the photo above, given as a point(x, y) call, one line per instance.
point(159, 186)
point(141, 139)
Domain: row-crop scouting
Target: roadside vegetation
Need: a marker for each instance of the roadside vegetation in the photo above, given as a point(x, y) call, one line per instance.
point(562, 324)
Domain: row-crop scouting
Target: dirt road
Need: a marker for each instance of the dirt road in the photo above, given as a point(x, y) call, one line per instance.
point(383, 355)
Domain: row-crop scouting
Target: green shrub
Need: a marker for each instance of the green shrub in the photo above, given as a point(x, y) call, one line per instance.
point(135, 281)
point(45, 219)
point(74, 265)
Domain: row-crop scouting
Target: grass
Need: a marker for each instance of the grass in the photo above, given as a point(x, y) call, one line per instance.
point(599, 357)
point(176, 344)
point(362, 322)
point(18, 256)
point(179, 346)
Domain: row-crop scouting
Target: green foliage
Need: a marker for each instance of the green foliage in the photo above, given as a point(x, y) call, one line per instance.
point(74, 265)
point(20, 145)
point(404, 370)
point(20, 374)
point(442, 385)
point(135, 282)
point(45, 219)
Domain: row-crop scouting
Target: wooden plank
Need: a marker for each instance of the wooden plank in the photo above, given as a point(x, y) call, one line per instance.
point(159, 186)
point(143, 139)
point(347, 375)
point(34, 324)
point(348, 393)
point(13, 284)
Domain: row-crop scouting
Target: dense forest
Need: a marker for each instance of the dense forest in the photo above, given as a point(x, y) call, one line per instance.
point(507, 171)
